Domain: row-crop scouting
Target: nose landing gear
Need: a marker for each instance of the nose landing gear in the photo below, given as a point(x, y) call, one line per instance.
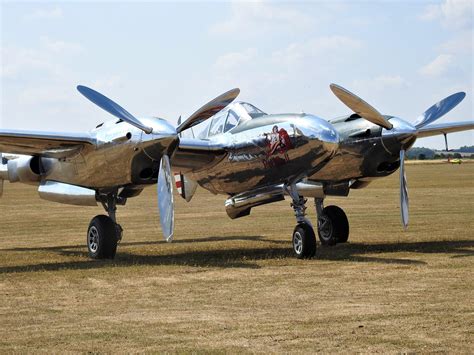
point(333, 226)
point(304, 240)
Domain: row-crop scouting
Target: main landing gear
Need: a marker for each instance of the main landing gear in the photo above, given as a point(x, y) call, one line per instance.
point(333, 226)
point(104, 233)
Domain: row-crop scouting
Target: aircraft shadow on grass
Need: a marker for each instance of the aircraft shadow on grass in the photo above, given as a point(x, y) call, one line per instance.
point(243, 257)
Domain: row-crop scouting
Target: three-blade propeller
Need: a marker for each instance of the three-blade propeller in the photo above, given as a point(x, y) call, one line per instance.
point(366, 111)
point(165, 179)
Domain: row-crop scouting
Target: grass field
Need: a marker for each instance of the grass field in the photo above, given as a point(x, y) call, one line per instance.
point(234, 286)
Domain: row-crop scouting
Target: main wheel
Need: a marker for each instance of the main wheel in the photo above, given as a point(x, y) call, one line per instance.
point(102, 238)
point(304, 241)
point(333, 226)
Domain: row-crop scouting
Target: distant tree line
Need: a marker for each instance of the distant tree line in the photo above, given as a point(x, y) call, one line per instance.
point(422, 153)
point(466, 149)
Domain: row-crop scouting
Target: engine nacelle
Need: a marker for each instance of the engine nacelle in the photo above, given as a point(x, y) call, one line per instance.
point(25, 169)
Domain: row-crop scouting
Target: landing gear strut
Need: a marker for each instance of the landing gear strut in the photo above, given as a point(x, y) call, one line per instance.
point(104, 233)
point(333, 226)
point(304, 240)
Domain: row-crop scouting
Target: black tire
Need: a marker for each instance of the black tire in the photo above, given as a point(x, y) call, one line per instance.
point(333, 226)
point(304, 241)
point(102, 238)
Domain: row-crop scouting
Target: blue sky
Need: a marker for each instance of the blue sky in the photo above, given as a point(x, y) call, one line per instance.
point(168, 58)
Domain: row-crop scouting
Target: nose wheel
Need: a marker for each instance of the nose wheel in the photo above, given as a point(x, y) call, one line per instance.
point(304, 241)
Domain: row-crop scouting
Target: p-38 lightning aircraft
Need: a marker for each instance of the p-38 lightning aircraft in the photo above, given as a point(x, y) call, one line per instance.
point(252, 157)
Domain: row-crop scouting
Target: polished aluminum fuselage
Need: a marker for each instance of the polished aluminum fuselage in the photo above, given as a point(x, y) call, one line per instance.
point(240, 158)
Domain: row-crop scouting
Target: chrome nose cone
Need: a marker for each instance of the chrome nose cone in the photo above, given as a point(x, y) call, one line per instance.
point(163, 140)
point(400, 137)
point(163, 127)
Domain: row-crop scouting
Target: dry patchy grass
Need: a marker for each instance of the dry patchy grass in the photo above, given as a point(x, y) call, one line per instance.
point(226, 286)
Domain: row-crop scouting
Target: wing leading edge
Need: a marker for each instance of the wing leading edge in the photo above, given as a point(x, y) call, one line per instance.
point(48, 144)
point(444, 128)
point(195, 154)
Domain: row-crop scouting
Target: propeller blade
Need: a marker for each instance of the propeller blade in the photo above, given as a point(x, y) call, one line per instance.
point(359, 106)
point(403, 191)
point(165, 199)
point(112, 107)
point(209, 109)
point(439, 109)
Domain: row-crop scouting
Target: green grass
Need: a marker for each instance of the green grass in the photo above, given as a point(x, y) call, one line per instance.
point(233, 285)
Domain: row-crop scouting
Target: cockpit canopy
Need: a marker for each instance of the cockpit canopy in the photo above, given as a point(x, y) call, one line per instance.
point(231, 116)
point(251, 109)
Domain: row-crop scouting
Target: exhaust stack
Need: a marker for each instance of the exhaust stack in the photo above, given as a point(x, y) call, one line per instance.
point(240, 205)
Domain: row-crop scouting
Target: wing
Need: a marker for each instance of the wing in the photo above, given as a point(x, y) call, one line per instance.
point(195, 154)
point(444, 128)
point(53, 145)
